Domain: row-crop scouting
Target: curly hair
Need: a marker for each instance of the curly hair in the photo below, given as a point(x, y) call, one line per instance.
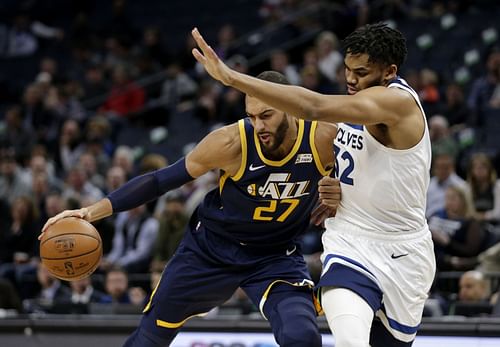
point(383, 45)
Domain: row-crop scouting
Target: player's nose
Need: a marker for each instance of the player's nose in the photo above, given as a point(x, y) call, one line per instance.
point(259, 124)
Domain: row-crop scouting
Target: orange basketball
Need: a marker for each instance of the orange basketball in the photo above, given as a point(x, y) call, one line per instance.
point(71, 249)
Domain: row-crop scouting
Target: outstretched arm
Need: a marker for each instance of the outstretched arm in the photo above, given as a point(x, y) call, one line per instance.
point(371, 106)
point(219, 149)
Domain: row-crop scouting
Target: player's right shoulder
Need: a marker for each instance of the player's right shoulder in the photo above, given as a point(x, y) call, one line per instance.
point(227, 138)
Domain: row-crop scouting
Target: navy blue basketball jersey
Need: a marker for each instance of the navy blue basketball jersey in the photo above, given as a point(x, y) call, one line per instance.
point(267, 202)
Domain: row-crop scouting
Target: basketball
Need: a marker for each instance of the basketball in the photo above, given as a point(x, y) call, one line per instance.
point(71, 249)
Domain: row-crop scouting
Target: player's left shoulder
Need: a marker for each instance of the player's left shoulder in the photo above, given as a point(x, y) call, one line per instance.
point(325, 131)
point(323, 140)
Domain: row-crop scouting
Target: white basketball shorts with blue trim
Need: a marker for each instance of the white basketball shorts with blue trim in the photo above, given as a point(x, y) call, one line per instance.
point(393, 272)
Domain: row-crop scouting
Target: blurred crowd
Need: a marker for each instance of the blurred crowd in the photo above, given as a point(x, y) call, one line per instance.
point(61, 143)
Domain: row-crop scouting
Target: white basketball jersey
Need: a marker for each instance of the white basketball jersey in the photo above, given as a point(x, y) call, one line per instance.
point(383, 189)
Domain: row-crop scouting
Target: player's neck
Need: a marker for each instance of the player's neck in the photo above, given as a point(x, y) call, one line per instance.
point(289, 141)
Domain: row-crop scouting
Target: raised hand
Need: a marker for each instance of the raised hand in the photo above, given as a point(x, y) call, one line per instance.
point(80, 213)
point(210, 61)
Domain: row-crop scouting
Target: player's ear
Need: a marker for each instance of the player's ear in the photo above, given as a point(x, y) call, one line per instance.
point(390, 72)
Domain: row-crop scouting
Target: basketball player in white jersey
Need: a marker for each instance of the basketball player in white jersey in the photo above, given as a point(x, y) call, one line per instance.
point(378, 260)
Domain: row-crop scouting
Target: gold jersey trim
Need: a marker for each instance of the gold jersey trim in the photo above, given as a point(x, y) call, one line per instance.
point(312, 144)
point(289, 156)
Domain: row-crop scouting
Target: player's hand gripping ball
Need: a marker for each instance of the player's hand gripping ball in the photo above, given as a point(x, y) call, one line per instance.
point(71, 249)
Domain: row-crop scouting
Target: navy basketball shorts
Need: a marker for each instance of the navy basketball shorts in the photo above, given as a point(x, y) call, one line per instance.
point(206, 270)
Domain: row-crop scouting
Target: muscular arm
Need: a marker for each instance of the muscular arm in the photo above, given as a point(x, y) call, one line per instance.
point(394, 108)
point(217, 150)
point(221, 149)
point(376, 105)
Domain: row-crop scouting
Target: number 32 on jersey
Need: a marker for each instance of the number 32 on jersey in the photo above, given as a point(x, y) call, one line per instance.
point(344, 157)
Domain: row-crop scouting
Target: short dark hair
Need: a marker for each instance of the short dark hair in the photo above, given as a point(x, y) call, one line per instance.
point(383, 45)
point(273, 76)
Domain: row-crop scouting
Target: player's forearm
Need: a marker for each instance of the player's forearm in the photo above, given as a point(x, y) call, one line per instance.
point(149, 186)
point(99, 210)
point(294, 100)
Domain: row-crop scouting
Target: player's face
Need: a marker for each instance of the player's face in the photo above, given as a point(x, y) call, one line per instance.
point(270, 124)
point(360, 73)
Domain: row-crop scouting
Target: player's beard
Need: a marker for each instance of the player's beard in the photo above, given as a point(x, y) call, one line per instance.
point(277, 139)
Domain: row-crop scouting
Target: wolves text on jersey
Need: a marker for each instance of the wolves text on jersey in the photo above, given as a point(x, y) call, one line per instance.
point(349, 139)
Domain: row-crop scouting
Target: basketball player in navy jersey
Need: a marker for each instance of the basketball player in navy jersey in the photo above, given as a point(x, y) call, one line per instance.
point(244, 234)
point(378, 258)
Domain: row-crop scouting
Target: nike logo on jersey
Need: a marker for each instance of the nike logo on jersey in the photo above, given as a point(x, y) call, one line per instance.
point(289, 252)
point(393, 256)
point(255, 168)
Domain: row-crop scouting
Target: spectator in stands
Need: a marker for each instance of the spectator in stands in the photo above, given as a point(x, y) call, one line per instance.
point(99, 129)
point(178, 86)
point(39, 165)
point(12, 183)
point(312, 79)
point(455, 108)
point(444, 175)
point(154, 47)
point(115, 177)
point(442, 140)
point(173, 221)
point(116, 285)
point(232, 101)
point(16, 134)
point(489, 260)
point(71, 146)
point(310, 57)
point(62, 102)
point(9, 300)
point(40, 188)
point(279, 62)
point(483, 87)
point(79, 187)
point(118, 54)
point(88, 162)
point(35, 116)
point(95, 146)
point(126, 97)
point(22, 37)
point(134, 240)
point(429, 92)
point(124, 158)
point(95, 85)
point(456, 234)
point(82, 292)
point(226, 36)
point(51, 291)
point(18, 242)
point(484, 187)
point(329, 58)
point(474, 288)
